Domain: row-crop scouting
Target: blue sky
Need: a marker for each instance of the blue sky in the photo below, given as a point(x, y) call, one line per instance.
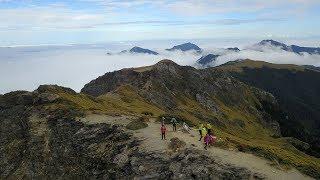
point(26, 22)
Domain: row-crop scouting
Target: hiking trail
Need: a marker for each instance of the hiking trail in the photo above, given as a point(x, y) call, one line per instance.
point(151, 141)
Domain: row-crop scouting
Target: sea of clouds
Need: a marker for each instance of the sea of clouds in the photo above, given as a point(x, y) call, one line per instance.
point(27, 67)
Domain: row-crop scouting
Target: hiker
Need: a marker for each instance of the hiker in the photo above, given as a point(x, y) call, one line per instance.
point(163, 119)
point(186, 127)
point(206, 140)
point(209, 127)
point(209, 139)
point(174, 124)
point(163, 131)
point(203, 132)
point(200, 130)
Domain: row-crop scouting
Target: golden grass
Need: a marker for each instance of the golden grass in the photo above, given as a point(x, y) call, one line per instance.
point(238, 67)
point(124, 101)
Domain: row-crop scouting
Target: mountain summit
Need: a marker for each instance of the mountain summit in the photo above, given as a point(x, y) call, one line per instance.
point(139, 50)
point(186, 47)
point(291, 48)
point(142, 50)
point(235, 49)
point(208, 59)
point(270, 42)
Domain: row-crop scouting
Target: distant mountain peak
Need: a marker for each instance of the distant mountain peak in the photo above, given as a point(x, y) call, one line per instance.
point(270, 41)
point(291, 48)
point(274, 43)
point(186, 47)
point(189, 43)
point(205, 60)
point(235, 49)
point(137, 49)
point(310, 50)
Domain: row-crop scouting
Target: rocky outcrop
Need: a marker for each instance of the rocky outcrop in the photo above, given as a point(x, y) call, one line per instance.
point(58, 146)
point(27, 98)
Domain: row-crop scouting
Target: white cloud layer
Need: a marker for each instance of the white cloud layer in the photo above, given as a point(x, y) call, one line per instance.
point(27, 68)
point(272, 55)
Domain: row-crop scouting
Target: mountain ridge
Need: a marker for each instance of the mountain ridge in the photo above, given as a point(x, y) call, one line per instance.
point(292, 48)
point(186, 47)
point(207, 59)
point(139, 50)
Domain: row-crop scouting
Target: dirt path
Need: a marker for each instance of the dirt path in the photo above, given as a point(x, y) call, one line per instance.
point(152, 142)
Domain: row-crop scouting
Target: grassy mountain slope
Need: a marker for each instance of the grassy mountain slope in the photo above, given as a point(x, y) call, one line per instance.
point(297, 90)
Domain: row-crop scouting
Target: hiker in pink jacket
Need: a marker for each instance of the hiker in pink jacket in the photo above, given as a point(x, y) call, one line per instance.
point(209, 139)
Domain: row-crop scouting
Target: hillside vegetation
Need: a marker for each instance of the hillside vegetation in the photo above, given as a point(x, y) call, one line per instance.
point(297, 90)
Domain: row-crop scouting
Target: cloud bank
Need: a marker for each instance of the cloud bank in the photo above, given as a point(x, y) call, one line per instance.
point(27, 68)
point(271, 55)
